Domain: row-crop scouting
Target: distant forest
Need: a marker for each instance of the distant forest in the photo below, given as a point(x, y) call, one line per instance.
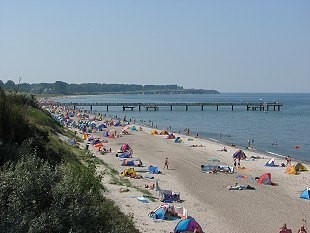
point(63, 88)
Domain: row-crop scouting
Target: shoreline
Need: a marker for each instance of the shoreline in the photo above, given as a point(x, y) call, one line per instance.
point(263, 143)
point(266, 153)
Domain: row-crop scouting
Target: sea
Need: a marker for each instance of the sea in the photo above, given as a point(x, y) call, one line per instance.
point(278, 133)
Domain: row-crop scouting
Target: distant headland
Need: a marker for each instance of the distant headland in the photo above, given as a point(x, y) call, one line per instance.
point(63, 88)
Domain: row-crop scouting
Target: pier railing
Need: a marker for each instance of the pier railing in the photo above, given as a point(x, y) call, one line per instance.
point(254, 106)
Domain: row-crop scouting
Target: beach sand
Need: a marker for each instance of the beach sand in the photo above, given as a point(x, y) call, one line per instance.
point(205, 196)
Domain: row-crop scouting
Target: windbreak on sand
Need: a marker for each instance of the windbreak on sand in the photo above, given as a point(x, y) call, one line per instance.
point(265, 179)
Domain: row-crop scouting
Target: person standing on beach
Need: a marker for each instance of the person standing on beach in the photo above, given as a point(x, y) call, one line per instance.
point(166, 164)
point(288, 160)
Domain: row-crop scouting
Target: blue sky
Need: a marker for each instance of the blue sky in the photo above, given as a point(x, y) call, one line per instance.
point(227, 45)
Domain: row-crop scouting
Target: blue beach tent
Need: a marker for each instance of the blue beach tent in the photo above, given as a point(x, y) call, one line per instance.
point(270, 163)
point(305, 194)
point(125, 155)
point(153, 169)
point(187, 225)
point(164, 212)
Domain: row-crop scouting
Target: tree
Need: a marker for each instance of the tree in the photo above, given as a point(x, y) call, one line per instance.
point(10, 85)
point(61, 87)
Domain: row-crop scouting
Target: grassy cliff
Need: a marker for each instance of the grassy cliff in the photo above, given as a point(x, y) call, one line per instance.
point(44, 186)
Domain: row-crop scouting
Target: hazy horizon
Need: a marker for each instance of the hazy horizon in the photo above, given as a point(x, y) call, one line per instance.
point(229, 46)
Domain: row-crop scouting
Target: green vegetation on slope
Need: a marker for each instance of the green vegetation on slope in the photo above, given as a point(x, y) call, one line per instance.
point(43, 185)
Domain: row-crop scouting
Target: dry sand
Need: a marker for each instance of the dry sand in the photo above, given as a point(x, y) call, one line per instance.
point(206, 197)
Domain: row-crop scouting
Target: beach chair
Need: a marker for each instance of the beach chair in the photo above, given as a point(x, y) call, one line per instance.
point(168, 196)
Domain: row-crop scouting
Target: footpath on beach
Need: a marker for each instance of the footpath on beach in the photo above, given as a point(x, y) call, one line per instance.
point(201, 181)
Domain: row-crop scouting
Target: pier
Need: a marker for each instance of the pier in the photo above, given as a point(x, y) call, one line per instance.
point(249, 106)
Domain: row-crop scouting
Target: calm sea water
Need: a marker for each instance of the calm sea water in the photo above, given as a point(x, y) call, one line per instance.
point(288, 127)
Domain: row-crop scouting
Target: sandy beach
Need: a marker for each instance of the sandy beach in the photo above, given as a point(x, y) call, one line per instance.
point(205, 195)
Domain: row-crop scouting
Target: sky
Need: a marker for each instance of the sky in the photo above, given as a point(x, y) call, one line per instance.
point(226, 45)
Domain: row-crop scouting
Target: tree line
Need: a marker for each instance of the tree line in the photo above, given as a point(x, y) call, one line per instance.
point(64, 88)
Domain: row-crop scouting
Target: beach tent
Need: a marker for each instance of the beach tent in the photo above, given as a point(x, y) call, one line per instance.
point(170, 136)
point(93, 124)
point(128, 172)
point(124, 155)
point(163, 212)
point(265, 179)
point(187, 225)
point(125, 147)
point(300, 167)
point(270, 163)
point(153, 169)
point(291, 170)
point(117, 123)
point(105, 134)
point(127, 162)
point(305, 194)
point(178, 140)
point(164, 132)
point(154, 131)
point(96, 140)
point(133, 128)
point(101, 126)
point(90, 137)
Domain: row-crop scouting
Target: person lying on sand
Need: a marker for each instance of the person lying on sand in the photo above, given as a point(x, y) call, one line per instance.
point(214, 171)
point(224, 149)
point(152, 186)
point(197, 145)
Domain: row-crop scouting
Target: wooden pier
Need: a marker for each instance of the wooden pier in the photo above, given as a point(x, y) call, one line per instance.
point(253, 106)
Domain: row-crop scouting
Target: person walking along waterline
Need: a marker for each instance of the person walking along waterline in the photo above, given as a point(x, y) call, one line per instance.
point(166, 164)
